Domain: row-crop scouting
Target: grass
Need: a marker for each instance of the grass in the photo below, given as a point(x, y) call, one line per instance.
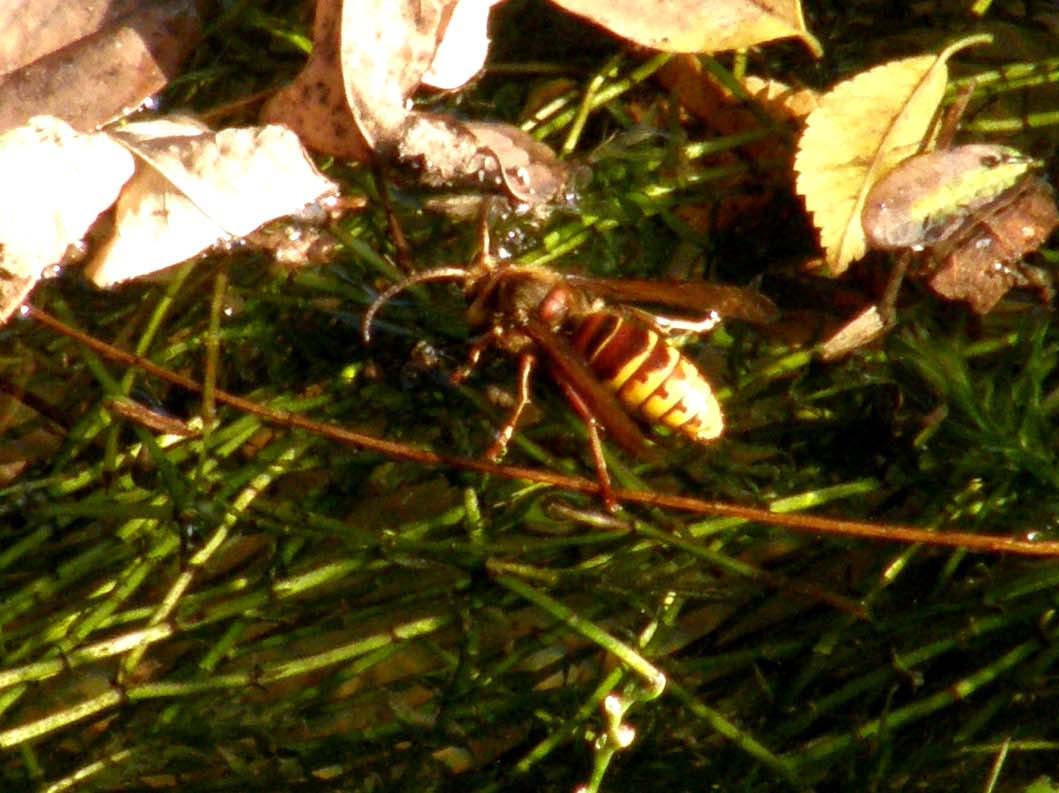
point(260, 608)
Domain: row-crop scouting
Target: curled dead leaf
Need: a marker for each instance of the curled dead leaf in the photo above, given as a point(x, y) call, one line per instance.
point(240, 176)
point(57, 182)
point(386, 48)
point(482, 154)
point(530, 170)
point(697, 25)
point(984, 268)
point(356, 91)
point(314, 105)
point(464, 44)
point(194, 188)
point(982, 260)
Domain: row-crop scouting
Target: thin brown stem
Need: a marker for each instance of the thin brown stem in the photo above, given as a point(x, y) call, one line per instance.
point(809, 524)
point(402, 250)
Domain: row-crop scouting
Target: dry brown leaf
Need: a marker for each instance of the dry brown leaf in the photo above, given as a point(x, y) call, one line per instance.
point(106, 74)
point(716, 106)
point(464, 44)
point(781, 101)
point(56, 183)
point(528, 168)
point(982, 261)
point(975, 279)
point(387, 47)
point(697, 25)
point(314, 105)
point(684, 77)
point(33, 28)
point(480, 153)
point(194, 188)
point(240, 177)
point(863, 128)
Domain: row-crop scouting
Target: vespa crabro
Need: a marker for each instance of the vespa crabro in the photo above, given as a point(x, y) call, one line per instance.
point(611, 358)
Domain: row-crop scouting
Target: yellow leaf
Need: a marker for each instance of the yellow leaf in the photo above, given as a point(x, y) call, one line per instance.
point(863, 128)
point(697, 25)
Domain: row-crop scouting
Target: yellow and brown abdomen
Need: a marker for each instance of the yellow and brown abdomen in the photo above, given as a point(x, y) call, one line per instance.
point(649, 376)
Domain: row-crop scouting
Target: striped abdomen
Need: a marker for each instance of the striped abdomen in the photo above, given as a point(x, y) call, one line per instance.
point(651, 378)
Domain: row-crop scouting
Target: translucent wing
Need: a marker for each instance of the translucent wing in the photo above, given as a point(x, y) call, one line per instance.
point(697, 297)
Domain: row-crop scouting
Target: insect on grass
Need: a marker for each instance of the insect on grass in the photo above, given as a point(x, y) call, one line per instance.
point(611, 358)
point(801, 523)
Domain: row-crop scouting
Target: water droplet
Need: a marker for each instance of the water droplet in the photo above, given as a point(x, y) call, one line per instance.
point(613, 705)
point(624, 736)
